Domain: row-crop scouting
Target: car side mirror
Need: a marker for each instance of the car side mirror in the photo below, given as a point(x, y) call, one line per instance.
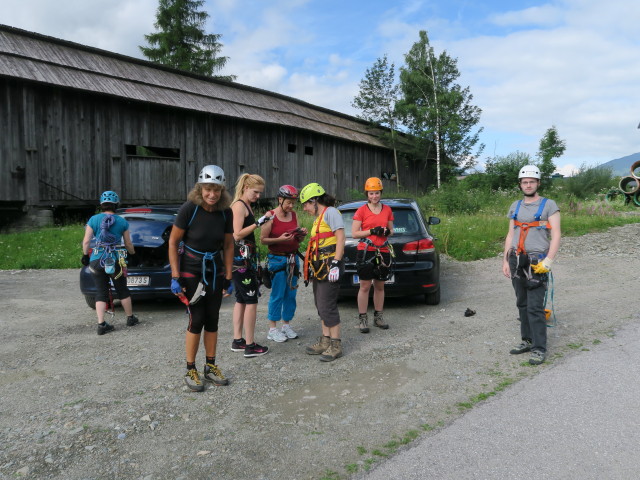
point(434, 220)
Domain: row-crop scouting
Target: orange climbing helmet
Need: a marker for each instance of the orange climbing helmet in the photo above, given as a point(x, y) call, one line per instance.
point(373, 184)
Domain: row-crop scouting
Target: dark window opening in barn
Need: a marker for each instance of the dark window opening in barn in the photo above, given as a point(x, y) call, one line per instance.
point(308, 150)
point(292, 148)
point(153, 152)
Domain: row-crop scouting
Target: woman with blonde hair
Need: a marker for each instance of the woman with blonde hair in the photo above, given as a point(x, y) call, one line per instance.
point(249, 187)
point(201, 256)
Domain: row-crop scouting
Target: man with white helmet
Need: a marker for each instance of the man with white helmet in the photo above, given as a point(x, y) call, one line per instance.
point(531, 246)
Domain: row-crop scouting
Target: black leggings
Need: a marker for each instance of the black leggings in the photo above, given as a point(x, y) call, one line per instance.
point(101, 279)
point(206, 312)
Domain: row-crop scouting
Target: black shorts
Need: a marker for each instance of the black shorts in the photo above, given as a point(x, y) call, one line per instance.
point(101, 280)
point(245, 283)
point(206, 312)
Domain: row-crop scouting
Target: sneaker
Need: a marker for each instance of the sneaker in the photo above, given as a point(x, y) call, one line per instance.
point(363, 323)
point(105, 328)
point(255, 350)
point(213, 374)
point(320, 346)
point(132, 320)
point(288, 331)
point(276, 335)
point(334, 351)
point(238, 345)
point(378, 321)
point(524, 347)
point(537, 357)
point(192, 380)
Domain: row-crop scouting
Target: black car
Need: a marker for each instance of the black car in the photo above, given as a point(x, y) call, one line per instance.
point(417, 262)
point(149, 274)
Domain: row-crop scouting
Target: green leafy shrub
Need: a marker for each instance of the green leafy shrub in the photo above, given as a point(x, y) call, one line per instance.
point(589, 181)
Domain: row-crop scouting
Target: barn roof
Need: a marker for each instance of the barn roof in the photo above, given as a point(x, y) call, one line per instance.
point(34, 57)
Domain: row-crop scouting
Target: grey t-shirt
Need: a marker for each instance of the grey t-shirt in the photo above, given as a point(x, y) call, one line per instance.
point(537, 240)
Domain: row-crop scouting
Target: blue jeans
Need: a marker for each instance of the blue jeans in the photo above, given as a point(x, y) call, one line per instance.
point(282, 303)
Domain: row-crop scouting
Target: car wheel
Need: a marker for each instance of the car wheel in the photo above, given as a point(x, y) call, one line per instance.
point(91, 301)
point(432, 298)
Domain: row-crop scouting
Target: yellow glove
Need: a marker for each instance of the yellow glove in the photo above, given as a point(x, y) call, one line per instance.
point(542, 267)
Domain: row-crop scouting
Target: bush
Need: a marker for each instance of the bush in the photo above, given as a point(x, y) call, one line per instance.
point(589, 181)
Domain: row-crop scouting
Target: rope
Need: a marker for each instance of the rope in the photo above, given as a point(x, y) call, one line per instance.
point(554, 323)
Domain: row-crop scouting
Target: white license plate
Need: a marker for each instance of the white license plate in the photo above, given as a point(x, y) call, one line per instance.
point(137, 281)
point(356, 280)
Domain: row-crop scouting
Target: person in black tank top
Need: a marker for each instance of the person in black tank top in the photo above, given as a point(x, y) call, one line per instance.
point(245, 278)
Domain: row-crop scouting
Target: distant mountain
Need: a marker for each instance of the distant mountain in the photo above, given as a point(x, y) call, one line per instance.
point(621, 167)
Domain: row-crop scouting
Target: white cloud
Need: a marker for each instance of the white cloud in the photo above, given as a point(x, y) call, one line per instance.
point(544, 15)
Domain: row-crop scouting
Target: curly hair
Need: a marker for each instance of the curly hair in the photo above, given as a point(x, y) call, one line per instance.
point(195, 196)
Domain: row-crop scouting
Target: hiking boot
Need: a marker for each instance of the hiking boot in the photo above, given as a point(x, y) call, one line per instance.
point(255, 350)
point(213, 374)
point(537, 357)
point(378, 321)
point(524, 347)
point(276, 335)
point(288, 331)
point(320, 346)
point(363, 324)
point(105, 328)
point(192, 380)
point(132, 320)
point(238, 345)
point(334, 351)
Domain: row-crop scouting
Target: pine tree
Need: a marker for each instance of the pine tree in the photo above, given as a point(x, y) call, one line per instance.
point(181, 42)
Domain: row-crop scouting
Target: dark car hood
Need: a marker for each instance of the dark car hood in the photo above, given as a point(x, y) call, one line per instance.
point(149, 234)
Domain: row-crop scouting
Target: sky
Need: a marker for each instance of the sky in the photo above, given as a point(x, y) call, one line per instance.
point(530, 65)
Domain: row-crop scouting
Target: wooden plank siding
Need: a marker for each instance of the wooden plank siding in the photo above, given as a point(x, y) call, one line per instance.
point(64, 139)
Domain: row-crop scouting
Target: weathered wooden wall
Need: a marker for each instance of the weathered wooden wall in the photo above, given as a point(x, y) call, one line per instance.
point(64, 147)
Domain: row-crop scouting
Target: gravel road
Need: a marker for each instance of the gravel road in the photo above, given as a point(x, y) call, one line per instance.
point(78, 406)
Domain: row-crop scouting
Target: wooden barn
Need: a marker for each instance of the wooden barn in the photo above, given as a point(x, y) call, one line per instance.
point(76, 121)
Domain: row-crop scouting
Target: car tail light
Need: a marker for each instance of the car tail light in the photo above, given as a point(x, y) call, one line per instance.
point(424, 245)
point(137, 210)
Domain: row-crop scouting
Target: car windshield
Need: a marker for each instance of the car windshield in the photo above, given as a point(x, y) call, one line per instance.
point(405, 222)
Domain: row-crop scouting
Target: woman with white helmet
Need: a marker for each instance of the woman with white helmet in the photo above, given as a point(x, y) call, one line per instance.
point(105, 260)
point(201, 256)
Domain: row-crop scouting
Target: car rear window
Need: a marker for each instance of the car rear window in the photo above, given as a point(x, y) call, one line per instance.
point(149, 217)
point(405, 222)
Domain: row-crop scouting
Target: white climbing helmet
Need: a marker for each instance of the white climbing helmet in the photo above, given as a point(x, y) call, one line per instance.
point(212, 174)
point(529, 171)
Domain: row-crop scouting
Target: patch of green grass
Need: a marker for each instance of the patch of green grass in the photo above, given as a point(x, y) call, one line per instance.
point(378, 453)
point(330, 475)
point(361, 450)
point(351, 468)
point(426, 427)
point(597, 342)
point(574, 346)
point(48, 247)
point(315, 433)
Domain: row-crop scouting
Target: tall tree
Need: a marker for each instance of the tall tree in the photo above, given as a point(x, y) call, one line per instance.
point(377, 101)
point(437, 109)
point(181, 41)
point(551, 146)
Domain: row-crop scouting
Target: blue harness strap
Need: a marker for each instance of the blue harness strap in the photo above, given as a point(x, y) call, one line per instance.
point(537, 215)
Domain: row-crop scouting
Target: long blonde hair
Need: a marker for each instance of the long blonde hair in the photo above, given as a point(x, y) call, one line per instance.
point(247, 180)
point(195, 196)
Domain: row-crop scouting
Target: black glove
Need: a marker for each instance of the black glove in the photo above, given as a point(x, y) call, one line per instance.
point(85, 260)
point(262, 220)
point(379, 231)
point(226, 283)
point(387, 232)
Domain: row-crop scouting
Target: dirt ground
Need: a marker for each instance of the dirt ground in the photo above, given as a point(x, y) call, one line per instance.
point(78, 406)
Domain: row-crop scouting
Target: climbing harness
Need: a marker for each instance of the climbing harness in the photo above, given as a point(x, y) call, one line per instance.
point(380, 268)
point(525, 226)
point(290, 266)
point(318, 268)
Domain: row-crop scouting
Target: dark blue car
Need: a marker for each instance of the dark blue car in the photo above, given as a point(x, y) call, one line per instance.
point(149, 276)
point(417, 262)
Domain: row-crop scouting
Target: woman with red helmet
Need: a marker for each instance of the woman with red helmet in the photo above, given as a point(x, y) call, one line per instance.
point(372, 224)
point(283, 236)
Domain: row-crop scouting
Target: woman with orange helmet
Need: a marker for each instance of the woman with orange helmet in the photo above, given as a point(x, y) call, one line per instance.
point(372, 224)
